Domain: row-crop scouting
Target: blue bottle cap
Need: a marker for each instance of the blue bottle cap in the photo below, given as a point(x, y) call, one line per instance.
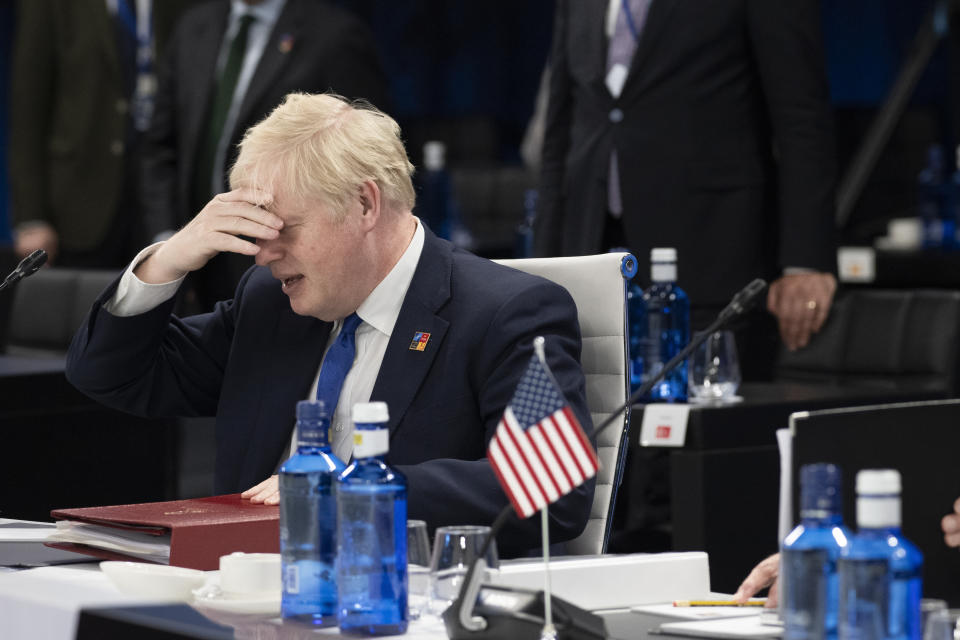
point(820, 493)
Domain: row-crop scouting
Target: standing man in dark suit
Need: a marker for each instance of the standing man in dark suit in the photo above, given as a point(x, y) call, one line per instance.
point(700, 125)
point(323, 188)
point(229, 63)
point(82, 90)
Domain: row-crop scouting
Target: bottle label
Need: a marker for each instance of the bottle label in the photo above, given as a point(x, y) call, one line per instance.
point(805, 595)
point(367, 443)
point(291, 579)
point(663, 272)
point(864, 599)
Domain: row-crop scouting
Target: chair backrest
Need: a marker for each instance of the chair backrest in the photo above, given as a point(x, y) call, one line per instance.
point(598, 286)
point(49, 306)
point(904, 339)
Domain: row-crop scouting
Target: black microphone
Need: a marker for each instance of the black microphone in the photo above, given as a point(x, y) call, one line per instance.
point(743, 301)
point(28, 266)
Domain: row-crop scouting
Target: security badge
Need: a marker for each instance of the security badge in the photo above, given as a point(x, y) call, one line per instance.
point(420, 340)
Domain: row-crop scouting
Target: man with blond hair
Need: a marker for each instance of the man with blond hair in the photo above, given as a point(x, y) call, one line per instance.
point(322, 198)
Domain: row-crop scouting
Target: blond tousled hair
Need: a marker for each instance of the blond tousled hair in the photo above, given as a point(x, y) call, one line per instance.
point(321, 148)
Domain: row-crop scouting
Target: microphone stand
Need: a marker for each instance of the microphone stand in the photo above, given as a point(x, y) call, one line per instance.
point(458, 618)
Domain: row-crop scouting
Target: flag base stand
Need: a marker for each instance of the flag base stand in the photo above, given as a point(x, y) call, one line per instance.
point(519, 613)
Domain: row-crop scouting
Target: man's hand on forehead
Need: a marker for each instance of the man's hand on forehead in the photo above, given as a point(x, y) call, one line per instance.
point(217, 228)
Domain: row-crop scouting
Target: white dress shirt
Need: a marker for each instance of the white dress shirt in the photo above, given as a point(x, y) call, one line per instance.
point(379, 312)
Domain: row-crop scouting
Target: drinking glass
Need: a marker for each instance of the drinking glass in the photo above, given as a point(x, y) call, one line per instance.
point(714, 370)
point(418, 544)
point(454, 550)
point(418, 568)
point(942, 625)
point(929, 606)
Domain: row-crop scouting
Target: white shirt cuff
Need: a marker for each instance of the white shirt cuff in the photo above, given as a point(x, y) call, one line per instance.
point(134, 296)
point(794, 271)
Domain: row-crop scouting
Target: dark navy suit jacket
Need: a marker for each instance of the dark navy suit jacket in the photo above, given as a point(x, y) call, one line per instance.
point(251, 359)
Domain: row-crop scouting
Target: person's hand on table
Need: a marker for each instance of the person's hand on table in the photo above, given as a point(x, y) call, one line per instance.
point(215, 229)
point(267, 492)
point(801, 303)
point(763, 575)
point(36, 235)
point(951, 526)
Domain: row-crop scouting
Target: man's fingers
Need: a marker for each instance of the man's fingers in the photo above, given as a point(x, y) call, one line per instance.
point(233, 244)
point(239, 225)
point(773, 595)
point(801, 303)
point(254, 490)
point(267, 492)
point(247, 204)
point(763, 575)
point(820, 316)
point(256, 197)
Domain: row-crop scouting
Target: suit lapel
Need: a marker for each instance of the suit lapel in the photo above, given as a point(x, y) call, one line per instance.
point(294, 358)
point(403, 369)
point(655, 26)
point(596, 41)
point(280, 48)
point(107, 35)
point(206, 39)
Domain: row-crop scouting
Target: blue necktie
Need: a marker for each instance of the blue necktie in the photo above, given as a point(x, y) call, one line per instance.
point(337, 363)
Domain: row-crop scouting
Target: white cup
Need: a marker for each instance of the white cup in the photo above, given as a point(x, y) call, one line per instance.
point(250, 575)
point(905, 233)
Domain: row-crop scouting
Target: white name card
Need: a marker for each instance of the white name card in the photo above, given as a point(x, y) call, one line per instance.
point(857, 264)
point(664, 425)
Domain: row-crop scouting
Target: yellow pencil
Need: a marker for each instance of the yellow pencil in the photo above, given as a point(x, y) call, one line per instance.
point(718, 603)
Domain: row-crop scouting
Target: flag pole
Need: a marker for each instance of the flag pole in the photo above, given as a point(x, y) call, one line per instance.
point(548, 632)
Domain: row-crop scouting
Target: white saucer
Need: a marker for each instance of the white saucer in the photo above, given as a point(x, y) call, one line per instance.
point(269, 606)
point(209, 596)
point(719, 402)
point(155, 581)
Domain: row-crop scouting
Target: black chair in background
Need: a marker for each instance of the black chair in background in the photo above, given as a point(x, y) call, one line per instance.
point(907, 340)
point(62, 449)
point(8, 262)
point(49, 306)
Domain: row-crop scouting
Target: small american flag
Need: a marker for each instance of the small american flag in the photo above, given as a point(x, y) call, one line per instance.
point(539, 451)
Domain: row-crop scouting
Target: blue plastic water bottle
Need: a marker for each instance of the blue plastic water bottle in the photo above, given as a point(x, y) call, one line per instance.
point(372, 532)
point(931, 199)
point(308, 530)
point(879, 570)
point(524, 233)
point(951, 215)
point(809, 557)
point(667, 327)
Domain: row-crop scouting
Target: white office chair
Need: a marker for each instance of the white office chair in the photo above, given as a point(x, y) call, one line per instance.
point(598, 286)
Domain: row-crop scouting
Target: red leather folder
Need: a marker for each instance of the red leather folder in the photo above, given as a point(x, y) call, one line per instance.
point(201, 529)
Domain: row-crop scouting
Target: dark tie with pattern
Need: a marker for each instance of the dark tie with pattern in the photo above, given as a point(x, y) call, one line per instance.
point(203, 188)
